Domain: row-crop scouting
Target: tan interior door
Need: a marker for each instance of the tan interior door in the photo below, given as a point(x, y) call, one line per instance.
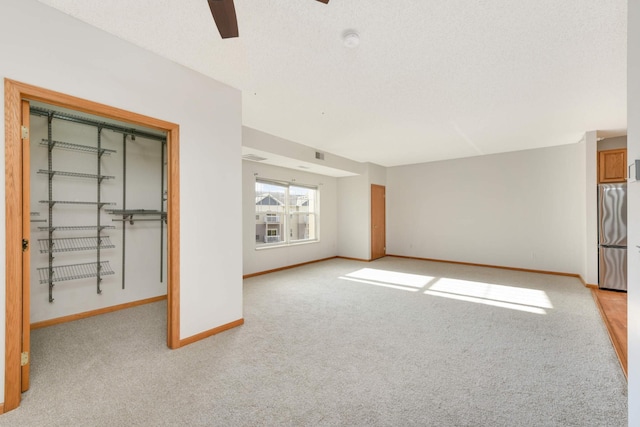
point(26, 250)
point(378, 222)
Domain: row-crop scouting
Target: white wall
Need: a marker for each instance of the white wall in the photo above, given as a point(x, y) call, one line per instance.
point(590, 267)
point(353, 193)
point(268, 258)
point(377, 175)
point(612, 143)
point(522, 209)
point(354, 217)
point(354, 207)
point(66, 55)
point(633, 147)
point(272, 144)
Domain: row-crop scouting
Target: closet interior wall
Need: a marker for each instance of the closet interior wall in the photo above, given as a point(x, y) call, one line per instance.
point(134, 179)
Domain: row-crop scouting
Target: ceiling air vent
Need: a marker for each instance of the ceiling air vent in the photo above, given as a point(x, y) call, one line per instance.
point(253, 158)
point(319, 155)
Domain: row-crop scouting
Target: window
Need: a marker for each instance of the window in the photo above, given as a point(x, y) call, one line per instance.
point(285, 213)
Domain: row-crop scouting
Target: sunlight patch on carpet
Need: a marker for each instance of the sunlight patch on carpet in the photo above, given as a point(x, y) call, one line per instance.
point(515, 298)
point(389, 279)
point(510, 297)
point(384, 285)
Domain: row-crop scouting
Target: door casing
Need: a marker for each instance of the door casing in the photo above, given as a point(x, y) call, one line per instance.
point(26, 252)
point(378, 221)
point(15, 212)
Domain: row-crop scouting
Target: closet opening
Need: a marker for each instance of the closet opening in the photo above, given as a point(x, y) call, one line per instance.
point(91, 217)
point(92, 182)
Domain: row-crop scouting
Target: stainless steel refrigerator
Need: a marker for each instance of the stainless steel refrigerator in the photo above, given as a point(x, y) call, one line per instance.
point(612, 236)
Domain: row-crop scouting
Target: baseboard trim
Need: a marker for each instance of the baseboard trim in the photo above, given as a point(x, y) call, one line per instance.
point(354, 259)
point(210, 332)
point(84, 315)
point(502, 267)
point(2, 408)
point(587, 285)
point(260, 273)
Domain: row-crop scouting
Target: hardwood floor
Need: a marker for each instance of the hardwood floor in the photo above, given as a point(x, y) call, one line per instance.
point(613, 307)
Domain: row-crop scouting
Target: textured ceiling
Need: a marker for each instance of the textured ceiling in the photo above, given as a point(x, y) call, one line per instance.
point(430, 79)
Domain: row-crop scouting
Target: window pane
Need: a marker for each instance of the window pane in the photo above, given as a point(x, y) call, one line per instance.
point(270, 212)
point(285, 213)
point(302, 209)
point(302, 226)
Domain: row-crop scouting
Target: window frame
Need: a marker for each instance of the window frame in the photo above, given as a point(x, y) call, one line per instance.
point(286, 214)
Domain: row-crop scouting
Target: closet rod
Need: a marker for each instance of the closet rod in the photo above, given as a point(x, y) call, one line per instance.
point(77, 119)
point(139, 219)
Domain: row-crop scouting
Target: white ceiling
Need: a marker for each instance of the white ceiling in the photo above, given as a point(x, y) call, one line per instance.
point(431, 79)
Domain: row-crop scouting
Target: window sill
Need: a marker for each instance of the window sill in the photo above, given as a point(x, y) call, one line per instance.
point(286, 245)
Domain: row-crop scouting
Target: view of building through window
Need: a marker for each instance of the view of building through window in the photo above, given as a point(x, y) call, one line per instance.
point(285, 213)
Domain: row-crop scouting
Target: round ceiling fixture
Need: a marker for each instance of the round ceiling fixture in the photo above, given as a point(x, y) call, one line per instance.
point(351, 39)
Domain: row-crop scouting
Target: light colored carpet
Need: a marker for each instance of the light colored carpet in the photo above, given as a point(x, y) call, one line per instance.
point(344, 343)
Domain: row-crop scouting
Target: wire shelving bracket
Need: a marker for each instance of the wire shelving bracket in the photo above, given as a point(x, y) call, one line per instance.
point(58, 273)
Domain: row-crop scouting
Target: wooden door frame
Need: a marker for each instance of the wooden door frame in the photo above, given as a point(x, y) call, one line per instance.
point(14, 92)
point(384, 213)
point(26, 234)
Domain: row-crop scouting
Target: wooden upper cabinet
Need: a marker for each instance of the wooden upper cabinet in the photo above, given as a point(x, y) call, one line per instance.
point(612, 166)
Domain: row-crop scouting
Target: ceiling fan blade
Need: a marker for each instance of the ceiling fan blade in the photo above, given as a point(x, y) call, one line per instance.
point(224, 13)
point(324, 1)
